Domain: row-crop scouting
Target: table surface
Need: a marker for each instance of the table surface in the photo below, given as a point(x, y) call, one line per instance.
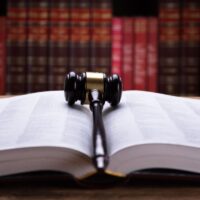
point(63, 192)
point(31, 189)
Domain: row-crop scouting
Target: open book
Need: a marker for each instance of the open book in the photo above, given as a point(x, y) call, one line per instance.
point(40, 131)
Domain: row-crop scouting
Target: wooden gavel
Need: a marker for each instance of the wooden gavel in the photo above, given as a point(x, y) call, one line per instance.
point(95, 88)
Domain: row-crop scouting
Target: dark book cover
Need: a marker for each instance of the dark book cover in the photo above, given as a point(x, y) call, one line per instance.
point(79, 43)
point(152, 54)
point(84, 19)
point(169, 46)
point(101, 36)
point(58, 43)
point(190, 53)
point(16, 47)
point(2, 53)
point(38, 37)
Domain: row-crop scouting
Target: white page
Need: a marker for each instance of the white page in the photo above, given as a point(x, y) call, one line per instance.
point(145, 117)
point(44, 119)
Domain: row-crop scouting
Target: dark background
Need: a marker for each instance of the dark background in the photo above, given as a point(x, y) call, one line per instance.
point(120, 7)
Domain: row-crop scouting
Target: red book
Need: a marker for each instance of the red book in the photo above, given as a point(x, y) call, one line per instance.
point(2, 54)
point(117, 27)
point(127, 54)
point(140, 53)
point(152, 54)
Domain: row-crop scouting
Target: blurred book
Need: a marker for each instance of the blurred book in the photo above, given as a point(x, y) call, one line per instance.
point(58, 43)
point(135, 51)
point(17, 36)
point(2, 53)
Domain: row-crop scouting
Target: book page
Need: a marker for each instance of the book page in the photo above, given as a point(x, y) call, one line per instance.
point(148, 118)
point(44, 119)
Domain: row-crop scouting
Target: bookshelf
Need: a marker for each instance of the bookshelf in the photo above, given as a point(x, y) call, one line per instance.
point(178, 71)
point(184, 82)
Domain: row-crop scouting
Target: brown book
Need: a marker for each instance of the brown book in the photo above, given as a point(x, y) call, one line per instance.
point(58, 43)
point(84, 29)
point(2, 54)
point(101, 22)
point(38, 37)
point(190, 57)
point(16, 80)
point(79, 38)
point(169, 46)
point(152, 54)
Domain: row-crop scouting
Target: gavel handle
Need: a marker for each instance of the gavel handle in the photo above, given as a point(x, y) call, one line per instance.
point(100, 153)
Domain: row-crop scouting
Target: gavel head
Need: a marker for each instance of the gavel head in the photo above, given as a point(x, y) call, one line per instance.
point(77, 86)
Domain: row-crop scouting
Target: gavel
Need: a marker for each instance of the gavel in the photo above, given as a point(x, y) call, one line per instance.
point(95, 88)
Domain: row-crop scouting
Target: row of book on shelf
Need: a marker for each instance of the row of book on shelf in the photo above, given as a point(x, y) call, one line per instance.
point(45, 39)
point(160, 54)
point(179, 46)
point(135, 52)
point(40, 41)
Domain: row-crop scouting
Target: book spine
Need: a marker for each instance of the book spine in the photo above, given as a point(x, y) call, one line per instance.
point(58, 43)
point(152, 54)
point(169, 47)
point(127, 56)
point(80, 35)
point(2, 54)
point(16, 47)
point(84, 35)
point(101, 36)
point(73, 36)
point(140, 53)
point(38, 19)
point(117, 27)
point(190, 58)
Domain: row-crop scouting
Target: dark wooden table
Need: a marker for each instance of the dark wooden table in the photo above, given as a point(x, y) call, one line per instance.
point(138, 193)
point(58, 191)
point(48, 185)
